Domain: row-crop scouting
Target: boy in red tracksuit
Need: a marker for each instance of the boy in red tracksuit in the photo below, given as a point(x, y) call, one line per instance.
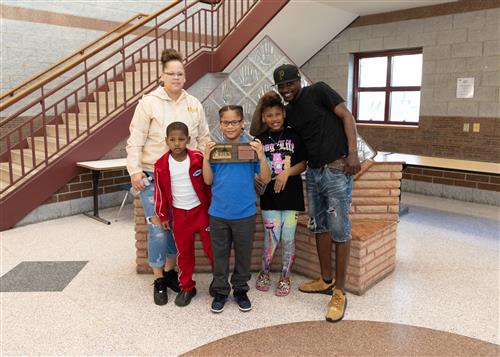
point(182, 200)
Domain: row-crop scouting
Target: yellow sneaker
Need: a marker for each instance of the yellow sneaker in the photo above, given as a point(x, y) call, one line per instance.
point(317, 286)
point(336, 307)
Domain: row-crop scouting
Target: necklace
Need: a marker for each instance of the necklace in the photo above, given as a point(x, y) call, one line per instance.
point(271, 138)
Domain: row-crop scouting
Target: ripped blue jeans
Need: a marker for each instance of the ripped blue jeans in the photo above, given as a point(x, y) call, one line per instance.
point(329, 194)
point(161, 244)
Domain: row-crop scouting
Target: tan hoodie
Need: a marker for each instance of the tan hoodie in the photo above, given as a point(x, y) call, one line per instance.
point(155, 111)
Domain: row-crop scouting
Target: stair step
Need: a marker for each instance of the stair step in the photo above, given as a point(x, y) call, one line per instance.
point(133, 80)
point(73, 133)
point(82, 107)
point(5, 171)
point(111, 99)
point(92, 108)
point(3, 185)
point(145, 68)
point(145, 74)
point(39, 142)
point(136, 76)
point(119, 87)
point(28, 157)
point(82, 120)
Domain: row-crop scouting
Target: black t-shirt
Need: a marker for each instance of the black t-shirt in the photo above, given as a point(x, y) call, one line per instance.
point(311, 115)
point(283, 149)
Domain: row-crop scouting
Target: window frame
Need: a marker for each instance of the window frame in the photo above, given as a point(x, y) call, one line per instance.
point(388, 89)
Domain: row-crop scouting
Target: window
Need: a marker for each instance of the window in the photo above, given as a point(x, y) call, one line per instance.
point(387, 86)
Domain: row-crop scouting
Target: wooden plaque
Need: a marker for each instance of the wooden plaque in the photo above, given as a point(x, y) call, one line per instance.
point(238, 152)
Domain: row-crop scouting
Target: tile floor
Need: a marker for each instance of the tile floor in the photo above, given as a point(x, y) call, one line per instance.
point(446, 278)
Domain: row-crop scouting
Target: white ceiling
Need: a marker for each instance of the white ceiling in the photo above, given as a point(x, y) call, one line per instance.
point(367, 7)
point(299, 37)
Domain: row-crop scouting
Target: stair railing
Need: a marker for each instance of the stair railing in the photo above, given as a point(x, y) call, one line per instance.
point(66, 60)
point(109, 79)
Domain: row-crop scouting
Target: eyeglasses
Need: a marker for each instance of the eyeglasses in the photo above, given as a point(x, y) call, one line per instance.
point(173, 74)
point(225, 124)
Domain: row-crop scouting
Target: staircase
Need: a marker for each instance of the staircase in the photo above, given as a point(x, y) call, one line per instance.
point(81, 111)
point(69, 126)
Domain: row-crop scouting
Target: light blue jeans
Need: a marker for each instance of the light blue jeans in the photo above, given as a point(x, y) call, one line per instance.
point(329, 194)
point(161, 244)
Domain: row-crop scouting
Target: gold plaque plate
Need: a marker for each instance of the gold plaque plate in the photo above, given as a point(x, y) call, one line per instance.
point(239, 152)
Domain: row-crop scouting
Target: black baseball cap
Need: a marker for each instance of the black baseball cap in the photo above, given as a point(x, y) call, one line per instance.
point(285, 73)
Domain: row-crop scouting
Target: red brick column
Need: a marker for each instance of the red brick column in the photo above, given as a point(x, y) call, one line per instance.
point(141, 238)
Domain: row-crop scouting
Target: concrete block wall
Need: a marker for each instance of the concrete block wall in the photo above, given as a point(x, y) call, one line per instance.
point(29, 45)
point(104, 10)
point(455, 45)
point(28, 48)
point(374, 216)
point(37, 34)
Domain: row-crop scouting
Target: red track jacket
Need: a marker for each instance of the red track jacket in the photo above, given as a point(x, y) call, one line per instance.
point(163, 188)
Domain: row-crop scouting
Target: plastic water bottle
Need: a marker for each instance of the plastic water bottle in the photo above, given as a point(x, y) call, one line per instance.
point(146, 181)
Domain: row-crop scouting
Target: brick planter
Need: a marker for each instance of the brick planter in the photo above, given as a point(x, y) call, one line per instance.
point(373, 253)
point(374, 216)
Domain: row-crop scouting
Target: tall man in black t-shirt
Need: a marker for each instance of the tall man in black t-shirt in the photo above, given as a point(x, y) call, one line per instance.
point(328, 130)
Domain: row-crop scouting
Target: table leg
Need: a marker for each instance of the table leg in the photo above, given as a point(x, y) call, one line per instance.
point(95, 187)
point(403, 209)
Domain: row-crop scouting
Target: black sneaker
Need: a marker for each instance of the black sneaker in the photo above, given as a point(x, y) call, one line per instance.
point(172, 279)
point(218, 303)
point(242, 300)
point(160, 291)
point(184, 297)
point(211, 290)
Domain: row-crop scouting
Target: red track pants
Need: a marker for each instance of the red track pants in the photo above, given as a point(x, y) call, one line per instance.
point(186, 224)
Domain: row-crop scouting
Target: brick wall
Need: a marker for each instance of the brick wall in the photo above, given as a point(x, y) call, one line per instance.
point(373, 254)
point(453, 178)
point(376, 192)
point(374, 215)
point(440, 137)
point(81, 185)
point(455, 44)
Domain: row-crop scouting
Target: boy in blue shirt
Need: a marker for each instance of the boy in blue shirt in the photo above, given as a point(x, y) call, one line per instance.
point(232, 211)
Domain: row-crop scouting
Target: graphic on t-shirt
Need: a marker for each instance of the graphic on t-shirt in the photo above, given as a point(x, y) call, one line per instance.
point(283, 150)
point(281, 155)
point(277, 163)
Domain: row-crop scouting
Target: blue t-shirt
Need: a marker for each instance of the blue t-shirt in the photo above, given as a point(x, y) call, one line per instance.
point(233, 195)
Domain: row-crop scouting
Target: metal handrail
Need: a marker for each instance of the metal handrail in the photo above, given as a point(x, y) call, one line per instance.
point(106, 89)
point(79, 52)
point(65, 69)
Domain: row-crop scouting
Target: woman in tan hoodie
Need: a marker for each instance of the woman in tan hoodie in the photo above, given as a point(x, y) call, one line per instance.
point(146, 144)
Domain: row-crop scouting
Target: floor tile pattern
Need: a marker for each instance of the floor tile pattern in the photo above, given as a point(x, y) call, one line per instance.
point(40, 276)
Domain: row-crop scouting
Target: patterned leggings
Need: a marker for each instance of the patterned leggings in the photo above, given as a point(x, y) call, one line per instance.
point(279, 225)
